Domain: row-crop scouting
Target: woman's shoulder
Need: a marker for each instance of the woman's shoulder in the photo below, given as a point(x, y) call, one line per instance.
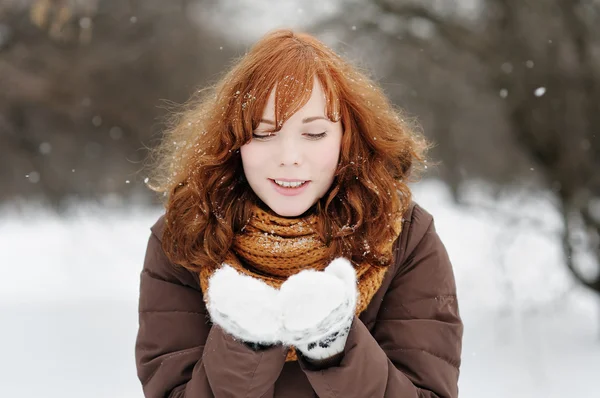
point(158, 263)
point(418, 219)
point(416, 222)
point(158, 227)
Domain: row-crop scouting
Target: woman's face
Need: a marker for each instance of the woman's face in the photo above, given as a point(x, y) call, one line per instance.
point(290, 170)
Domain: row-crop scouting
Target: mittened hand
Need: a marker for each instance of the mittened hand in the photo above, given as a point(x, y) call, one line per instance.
point(317, 309)
point(313, 310)
point(243, 306)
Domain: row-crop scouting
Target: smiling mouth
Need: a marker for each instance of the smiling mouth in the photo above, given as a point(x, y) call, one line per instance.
point(290, 184)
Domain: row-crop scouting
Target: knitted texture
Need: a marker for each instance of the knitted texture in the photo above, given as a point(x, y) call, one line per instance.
point(272, 248)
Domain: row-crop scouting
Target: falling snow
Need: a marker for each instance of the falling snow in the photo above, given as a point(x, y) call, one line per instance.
point(540, 91)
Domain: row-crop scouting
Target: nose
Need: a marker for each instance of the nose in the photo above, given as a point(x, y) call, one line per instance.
point(290, 152)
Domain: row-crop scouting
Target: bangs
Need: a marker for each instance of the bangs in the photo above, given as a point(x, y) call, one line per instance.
point(289, 67)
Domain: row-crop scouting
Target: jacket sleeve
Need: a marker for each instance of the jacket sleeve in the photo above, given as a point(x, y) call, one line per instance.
point(415, 346)
point(178, 353)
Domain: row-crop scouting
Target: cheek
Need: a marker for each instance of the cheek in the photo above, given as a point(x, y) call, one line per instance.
point(251, 157)
point(326, 157)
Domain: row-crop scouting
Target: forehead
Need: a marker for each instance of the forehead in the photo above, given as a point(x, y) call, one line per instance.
point(316, 102)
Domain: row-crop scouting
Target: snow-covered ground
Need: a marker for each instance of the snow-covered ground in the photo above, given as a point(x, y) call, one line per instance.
point(68, 297)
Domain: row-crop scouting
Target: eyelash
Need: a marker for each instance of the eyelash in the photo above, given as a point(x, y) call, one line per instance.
point(312, 136)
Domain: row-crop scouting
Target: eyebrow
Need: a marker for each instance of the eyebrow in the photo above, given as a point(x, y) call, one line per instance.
point(305, 120)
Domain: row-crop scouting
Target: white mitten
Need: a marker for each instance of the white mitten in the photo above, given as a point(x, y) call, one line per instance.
point(244, 307)
point(317, 309)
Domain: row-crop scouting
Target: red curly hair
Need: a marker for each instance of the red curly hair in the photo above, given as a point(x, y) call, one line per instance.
point(199, 170)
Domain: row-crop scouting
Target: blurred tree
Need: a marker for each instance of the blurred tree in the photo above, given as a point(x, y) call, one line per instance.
point(82, 84)
point(532, 68)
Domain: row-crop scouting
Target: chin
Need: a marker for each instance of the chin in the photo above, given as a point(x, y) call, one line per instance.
point(290, 211)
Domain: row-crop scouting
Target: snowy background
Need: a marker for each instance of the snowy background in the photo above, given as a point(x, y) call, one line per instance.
point(69, 288)
point(69, 282)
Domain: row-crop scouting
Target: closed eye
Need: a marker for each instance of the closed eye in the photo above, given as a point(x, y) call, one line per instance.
point(317, 136)
point(269, 135)
point(262, 136)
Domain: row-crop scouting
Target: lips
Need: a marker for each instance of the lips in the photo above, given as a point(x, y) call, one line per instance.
point(290, 191)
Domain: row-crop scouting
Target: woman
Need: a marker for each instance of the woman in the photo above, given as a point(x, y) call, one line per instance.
point(291, 261)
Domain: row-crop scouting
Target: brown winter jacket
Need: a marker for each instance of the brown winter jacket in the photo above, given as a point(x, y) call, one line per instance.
point(407, 343)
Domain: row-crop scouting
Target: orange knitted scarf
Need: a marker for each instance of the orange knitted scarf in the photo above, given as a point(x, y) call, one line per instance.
point(272, 248)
